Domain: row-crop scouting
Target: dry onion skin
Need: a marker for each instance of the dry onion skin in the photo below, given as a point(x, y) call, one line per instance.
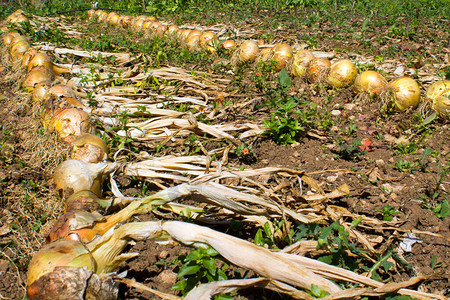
point(71, 122)
point(42, 59)
point(37, 75)
point(28, 56)
point(161, 30)
point(9, 37)
point(300, 61)
point(193, 42)
point(438, 94)
point(209, 41)
point(89, 148)
point(317, 70)
point(184, 34)
point(342, 74)
point(282, 53)
point(406, 93)
point(228, 46)
point(72, 176)
point(85, 200)
point(40, 91)
point(370, 82)
point(172, 30)
point(126, 21)
point(248, 51)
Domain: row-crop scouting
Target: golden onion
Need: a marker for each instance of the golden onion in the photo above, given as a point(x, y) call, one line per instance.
point(72, 176)
point(102, 17)
point(161, 29)
point(317, 70)
point(9, 37)
point(40, 91)
point(36, 75)
point(90, 13)
point(300, 61)
point(127, 21)
point(228, 46)
point(209, 41)
point(98, 12)
point(342, 74)
point(89, 148)
point(192, 42)
point(61, 253)
point(438, 95)
point(14, 15)
point(370, 82)
point(109, 17)
point(194, 32)
point(27, 56)
point(265, 54)
point(147, 24)
point(173, 29)
point(184, 34)
point(282, 53)
point(84, 200)
point(70, 122)
point(248, 51)
point(137, 25)
point(406, 93)
point(42, 59)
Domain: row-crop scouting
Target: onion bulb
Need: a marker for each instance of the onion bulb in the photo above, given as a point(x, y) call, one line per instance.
point(112, 18)
point(265, 54)
point(42, 59)
point(147, 24)
point(85, 200)
point(406, 93)
point(161, 29)
point(102, 17)
point(248, 51)
point(71, 122)
point(73, 175)
point(228, 46)
point(89, 148)
point(14, 15)
point(27, 56)
point(184, 34)
point(90, 13)
point(209, 41)
point(9, 37)
point(317, 70)
point(67, 254)
point(98, 12)
point(300, 61)
point(127, 21)
point(192, 42)
point(40, 91)
point(172, 29)
point(370, 82)
point(19, 45)
point(36, 75)
point(438, 94)
point(282, 52)
point(342, 74)
point(137, 25)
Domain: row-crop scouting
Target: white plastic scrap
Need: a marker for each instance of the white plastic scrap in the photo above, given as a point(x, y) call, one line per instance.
point(408, 241)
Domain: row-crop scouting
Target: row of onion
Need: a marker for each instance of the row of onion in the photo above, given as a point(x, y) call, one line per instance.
point(400, 93)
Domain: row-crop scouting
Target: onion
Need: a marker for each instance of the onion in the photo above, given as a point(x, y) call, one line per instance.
point(27, 56)
point(9, 37)
point(36, 75)
point(265, 54)
point(14, 15)
point(84, 200)
point(40, 90)
point(109, 17)
point(406, 92)
point(342, 74)
point(282, 52)
point(209, 41)
point(19, 45)
point(370, 82)
point(127, 21)
point(90, 13)
point(71, 122)
point(42, 59)
point(72, 176)
point(438, 95)
point(317, 70)
point(184, 34)
point(147, 24)
point(64, 253)
point(172, 29)
point(193, 42)
point(102, 17)
point(194, 32)
point(248, 51)
point(89, 148)
point(300, 61)
point(228, 46)
point(18, 19)
point(161, 29)
point(137, 25)
point(98, 12)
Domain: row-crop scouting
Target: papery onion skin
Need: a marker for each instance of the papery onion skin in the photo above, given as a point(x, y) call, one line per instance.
point(28, 56)
point(161, 30)
point(72, 176)
point(84, 200)
point(172, 29)
point(9, 37)
point(60, 253)
point(406, 93)
point(441, 105)
point(36, 75)
point(248, 51)
point(89, 148)
point(282, 52)
point(228, 46)
point(184, 34)
point(437, 89)
point(317, 70)
point(300, 61)
point(40, 91)
point(370, 82)
point(342, 74)
point(71, 122)
point(127, 21)
point(209, 41)
point(192, 42)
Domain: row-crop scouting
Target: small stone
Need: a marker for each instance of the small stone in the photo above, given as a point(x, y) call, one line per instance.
point(163, 254)
point(332, 178)
point(349, 106)
point(336, 112)
point(380, 163)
